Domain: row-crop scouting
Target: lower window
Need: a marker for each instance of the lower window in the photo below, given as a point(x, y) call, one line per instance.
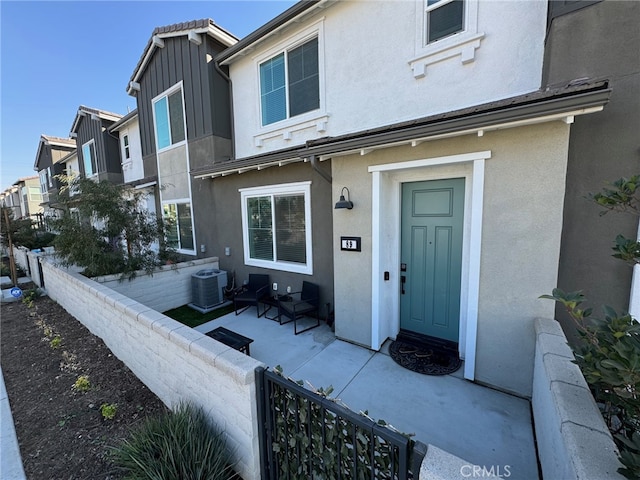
point(276, 224)
point(180, 226)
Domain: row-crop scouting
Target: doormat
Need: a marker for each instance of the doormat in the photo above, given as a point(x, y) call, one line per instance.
point(424, 358)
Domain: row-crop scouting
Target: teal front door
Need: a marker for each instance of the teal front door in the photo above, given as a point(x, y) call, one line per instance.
point(431, 257)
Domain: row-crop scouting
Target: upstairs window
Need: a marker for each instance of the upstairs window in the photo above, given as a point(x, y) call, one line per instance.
point(89, 158)
point(168, 113)
point(443, 18)
point(290, 83)
point(43, 181)
point(125, 146)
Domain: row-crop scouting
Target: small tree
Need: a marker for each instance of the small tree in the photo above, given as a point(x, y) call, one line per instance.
point(608, 353)
point(23, 231)
point(106, 229)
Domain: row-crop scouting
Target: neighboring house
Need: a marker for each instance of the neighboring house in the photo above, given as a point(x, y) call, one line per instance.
point(30, 196)
point(128, 131)
point(588, 41)
point(184, 121)
point(98, 150)
point(430, 114)
point(51, 150)
point(11, 200)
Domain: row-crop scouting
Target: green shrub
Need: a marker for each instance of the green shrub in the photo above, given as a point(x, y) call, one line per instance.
point(108, 410)
point(175, 446)
point(82, 384)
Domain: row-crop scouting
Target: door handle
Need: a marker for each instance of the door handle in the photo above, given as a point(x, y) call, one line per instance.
point(403, 280)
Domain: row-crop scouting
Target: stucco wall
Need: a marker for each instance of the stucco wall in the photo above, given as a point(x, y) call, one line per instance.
point(521, 227)
point(225, 224)
point(173, 174)
point(366, 50)
point(598, 41)
point(132, 168)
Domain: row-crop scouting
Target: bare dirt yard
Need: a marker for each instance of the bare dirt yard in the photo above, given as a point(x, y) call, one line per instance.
point(61, 429)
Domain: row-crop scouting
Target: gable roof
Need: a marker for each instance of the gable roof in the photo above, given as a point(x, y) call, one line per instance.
point(55, 142)
point(190, 29)
point(536, 107)
point(94, 112)
point(270, 28)
point(124, 120)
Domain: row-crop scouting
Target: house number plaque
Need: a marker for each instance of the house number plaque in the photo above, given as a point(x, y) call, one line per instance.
point(351, 244)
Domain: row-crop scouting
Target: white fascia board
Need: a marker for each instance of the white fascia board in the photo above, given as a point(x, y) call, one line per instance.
point(261, 166)
point(565, 117)
point(212, 31)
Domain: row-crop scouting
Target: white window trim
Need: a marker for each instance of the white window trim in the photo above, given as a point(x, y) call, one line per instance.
point(43, 181)
point(463, 44)
point(125, 135)
point(166, 93)
point(193, 230)
point(95, 160)
point(272, 190)
point(316, 117)
point(49, 177)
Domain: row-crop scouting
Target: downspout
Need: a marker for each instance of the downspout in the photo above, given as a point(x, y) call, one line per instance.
point(634, 297)
point(233, 129)
point(322, 173)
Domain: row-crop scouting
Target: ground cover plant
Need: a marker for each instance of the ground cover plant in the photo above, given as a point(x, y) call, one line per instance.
point(192, 318)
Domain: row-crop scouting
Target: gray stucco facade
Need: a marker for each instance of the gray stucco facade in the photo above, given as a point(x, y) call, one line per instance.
point(220, 225)
point(599, 41)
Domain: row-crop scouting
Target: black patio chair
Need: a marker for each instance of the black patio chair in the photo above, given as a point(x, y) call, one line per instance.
point(252, 293)
point(307, 303)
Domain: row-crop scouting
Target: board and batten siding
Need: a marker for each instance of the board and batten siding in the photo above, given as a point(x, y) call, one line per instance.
point(205, 91)
point(106, 147)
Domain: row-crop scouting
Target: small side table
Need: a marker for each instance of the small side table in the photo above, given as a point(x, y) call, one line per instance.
point(232, 339)
point(272, 302)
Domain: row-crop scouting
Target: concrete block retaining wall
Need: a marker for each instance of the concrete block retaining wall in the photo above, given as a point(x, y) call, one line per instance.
point(174, 361)
point(572, 437)
point(20, 256)
point(168, 287)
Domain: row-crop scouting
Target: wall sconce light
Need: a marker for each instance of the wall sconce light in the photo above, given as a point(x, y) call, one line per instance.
point(342, 203)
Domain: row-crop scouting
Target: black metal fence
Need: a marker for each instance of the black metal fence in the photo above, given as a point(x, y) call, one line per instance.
point(307, 436)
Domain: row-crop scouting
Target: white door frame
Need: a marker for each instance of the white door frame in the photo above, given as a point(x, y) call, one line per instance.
point(387, 181)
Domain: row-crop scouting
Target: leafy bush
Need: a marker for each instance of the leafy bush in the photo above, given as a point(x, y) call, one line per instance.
point(23, 232)
point(107, 229)
point(608, 353)
point(176, 446)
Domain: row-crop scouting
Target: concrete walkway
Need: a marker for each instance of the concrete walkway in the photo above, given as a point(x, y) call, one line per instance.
point(10, 460)
point(480, 425)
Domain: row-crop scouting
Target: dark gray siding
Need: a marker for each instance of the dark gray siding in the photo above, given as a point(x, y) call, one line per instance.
point(111, 150)
point(599, 41)
point(181, 60)
point(217, 213)
point(106, 147)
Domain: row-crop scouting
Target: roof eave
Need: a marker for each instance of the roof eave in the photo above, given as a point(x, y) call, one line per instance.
point(212, 30)
point(561, 108)
point(289, 15)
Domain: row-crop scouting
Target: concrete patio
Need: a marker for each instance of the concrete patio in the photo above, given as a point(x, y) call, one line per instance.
point(480, 425)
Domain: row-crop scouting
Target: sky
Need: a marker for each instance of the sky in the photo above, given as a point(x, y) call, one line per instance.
point(56, 56)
